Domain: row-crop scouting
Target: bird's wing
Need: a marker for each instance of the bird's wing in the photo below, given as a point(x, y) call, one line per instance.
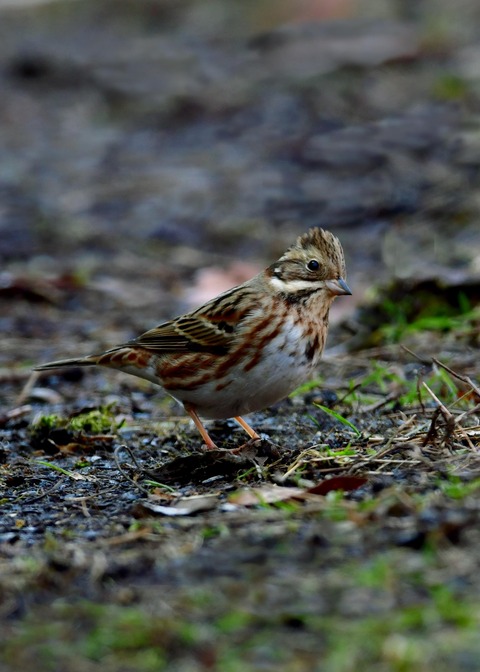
point(189, 333)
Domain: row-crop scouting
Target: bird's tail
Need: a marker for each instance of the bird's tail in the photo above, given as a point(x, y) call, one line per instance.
point(91, 360)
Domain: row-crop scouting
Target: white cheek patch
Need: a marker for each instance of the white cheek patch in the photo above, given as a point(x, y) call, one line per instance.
point(295, 285)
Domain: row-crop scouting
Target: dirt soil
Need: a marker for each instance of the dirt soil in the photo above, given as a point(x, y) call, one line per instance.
point(153, 155)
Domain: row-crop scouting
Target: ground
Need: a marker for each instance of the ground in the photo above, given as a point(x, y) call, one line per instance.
point(155, 154)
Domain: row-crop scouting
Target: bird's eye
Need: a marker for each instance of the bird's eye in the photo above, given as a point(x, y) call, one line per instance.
point(313, 265)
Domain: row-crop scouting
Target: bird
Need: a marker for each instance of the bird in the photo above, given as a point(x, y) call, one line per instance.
point(245, 349)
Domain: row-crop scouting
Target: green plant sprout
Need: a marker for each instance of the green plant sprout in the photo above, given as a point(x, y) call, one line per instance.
point(339, 417)
point(403, 316)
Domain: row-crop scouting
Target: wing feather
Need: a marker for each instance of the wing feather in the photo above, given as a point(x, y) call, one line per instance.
point(184, 334)
point(211, 328)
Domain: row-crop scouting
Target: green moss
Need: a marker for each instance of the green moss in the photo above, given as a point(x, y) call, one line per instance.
point(48, 431)
point(98, 421)
point(48, 422)
point(450, 87)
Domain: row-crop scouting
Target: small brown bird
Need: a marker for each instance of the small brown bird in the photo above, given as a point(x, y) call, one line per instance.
point(248, 347)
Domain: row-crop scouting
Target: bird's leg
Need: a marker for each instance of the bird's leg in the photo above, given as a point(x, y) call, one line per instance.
point(199, 425)
point(244, 425)
point(205, 436)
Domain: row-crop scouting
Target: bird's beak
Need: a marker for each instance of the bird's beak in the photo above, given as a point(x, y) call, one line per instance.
point(338, 287)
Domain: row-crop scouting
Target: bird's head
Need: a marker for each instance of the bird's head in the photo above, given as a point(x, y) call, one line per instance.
point(315, 263)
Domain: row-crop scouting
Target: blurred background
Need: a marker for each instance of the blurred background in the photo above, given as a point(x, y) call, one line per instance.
point(156, 152)
point(152, 154)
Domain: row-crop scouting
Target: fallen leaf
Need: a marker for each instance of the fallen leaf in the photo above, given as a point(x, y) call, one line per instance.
point(183, 507)
point(211, 281)
point(34, 290)
point(267, 494)
point(345, 483)
point(46, 395)
point(270, 494)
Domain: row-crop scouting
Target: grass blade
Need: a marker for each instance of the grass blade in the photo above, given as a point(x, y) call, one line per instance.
point(339, 417)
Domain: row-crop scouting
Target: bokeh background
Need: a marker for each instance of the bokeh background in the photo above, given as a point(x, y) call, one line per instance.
point(152, 154)
point(156, 152)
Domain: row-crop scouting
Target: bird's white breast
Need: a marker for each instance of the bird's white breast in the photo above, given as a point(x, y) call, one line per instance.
point(282, 367)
